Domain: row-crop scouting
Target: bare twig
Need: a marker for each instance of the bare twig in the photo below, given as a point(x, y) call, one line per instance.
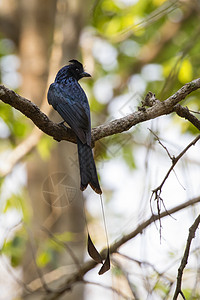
point(157, 191)
point(125, 279)
point(116, 291)
point(140, 262)
point(194, 111)
point(64, 245)
point(159, 141)
point(162, 10)
point(7, 266)
point(14, 277)
point(39, 271)
point(184, 260)
point(184, 112)
point(159, 274)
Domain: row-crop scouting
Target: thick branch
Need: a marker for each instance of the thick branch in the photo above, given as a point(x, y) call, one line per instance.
point(87, 266)
point(58, 132)
point(33, 112)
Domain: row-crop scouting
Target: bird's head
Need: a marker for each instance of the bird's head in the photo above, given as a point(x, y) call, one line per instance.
point(74, 69)
point(77, 70)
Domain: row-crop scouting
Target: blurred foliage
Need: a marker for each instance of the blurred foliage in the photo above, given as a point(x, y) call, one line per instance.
point(117, 271)
point(15, 248)
point(18, 202)
point(190, 294)
point(139, 34)
point(162, 288)
point(52, 246)
point(16, 123)
point(44, 147)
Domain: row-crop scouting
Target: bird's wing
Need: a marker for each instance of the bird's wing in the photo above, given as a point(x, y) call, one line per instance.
point(70, 109)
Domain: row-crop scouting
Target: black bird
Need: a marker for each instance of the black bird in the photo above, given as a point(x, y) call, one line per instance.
point(70, 101)
point(68, 98)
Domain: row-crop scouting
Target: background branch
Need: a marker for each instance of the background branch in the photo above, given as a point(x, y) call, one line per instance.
point(184, 260)
point(89, 265)
point(184, 112)
point(157, 191)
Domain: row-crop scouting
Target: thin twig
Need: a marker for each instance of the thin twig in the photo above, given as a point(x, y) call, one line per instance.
point(159, 141)
point(140, 262)
point(64, 245)
point(119, 293)
point(184, 112)
point(184, 260)
point(7, 266)
point(161, 11)
point(20, 282)
point(39, 271)
point(194, 111)
point(157, 191)
point(125, 274)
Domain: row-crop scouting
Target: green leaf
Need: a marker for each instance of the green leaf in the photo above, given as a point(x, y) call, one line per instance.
point(16, 247)
point(44, 147)
point(44, 258)
point(185, 72)
point(18, 202)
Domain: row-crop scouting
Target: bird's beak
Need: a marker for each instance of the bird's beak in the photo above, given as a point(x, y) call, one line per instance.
point(84, 74)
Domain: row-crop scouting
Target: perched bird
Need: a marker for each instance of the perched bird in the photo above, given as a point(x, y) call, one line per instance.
point(70, 101)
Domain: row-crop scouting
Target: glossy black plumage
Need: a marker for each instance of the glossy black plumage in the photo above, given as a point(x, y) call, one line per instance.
point(70, 101)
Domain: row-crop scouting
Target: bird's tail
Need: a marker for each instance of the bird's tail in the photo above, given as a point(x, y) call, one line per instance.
point(88, 170)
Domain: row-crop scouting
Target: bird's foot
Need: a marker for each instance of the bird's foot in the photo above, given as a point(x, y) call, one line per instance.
point(62, 124)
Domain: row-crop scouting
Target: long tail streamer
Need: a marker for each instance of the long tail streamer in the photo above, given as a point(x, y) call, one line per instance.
point(92, 251)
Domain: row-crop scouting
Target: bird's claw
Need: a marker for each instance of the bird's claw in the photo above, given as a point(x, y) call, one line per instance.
point(62, 124)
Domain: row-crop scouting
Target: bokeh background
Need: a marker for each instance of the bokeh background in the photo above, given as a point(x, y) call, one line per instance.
point(129, 47)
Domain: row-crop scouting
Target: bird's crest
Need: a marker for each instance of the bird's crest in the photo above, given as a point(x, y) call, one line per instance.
point(76, 62)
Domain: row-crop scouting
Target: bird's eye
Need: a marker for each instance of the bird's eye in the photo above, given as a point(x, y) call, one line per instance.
point(77, 70)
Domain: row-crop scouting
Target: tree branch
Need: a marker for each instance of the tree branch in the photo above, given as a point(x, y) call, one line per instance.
point(58, 132)
point(184, 112)
point(184, 260)
point(155, 109)
point(157, 191)
point(89, 265)
point(33, 112)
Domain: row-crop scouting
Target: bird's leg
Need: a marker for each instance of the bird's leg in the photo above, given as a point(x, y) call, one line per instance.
point(61, 123)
